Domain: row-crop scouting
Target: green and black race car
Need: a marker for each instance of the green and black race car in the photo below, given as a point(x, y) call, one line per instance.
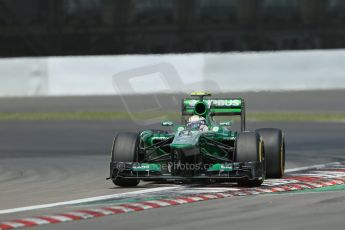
point(200, 149)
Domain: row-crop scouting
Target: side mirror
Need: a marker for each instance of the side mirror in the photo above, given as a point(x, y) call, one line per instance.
point(225, 123)
point(167, 123)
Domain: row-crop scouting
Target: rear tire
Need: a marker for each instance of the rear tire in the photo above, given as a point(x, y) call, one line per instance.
point(125, 149)
point(249, 148)
point(274, 151)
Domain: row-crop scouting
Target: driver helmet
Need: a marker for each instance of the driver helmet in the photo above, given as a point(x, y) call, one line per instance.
point(196, 122)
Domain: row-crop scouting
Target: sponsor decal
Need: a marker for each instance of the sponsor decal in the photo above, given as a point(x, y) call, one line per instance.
point(216, 103)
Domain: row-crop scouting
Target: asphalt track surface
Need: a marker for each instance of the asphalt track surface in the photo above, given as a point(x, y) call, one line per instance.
point(46, 161)
point(305, 101)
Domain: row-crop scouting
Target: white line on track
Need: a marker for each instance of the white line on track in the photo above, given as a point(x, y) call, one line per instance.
point(311, 167)
point(84, 200)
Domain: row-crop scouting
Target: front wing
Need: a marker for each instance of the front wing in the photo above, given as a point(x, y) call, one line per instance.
point(239, 170)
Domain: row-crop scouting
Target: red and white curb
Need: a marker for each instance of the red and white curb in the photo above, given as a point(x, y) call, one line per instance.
point(309, 180)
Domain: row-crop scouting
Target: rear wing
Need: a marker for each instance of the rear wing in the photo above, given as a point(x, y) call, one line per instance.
point(216, 107)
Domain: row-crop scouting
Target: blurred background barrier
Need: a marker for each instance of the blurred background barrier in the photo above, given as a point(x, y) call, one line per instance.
point(24, 76)
point(230, 72)
point(107, 27)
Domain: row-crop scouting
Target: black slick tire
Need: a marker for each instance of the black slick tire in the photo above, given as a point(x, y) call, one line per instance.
point(274, 151)
point(125, 149)
point(249, 148)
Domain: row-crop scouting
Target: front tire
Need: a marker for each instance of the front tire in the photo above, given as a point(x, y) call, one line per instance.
point(249, 148)
point(274, 151)
point(125, 149)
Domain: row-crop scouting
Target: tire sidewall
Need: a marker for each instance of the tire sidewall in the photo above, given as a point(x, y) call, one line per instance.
point(274, 146)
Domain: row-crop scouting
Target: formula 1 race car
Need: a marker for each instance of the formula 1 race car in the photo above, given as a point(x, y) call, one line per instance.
point(200, 149)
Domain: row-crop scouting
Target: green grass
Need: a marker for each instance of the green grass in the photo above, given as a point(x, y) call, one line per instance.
point(296, 116)
point(56, 116)
point(256, 116)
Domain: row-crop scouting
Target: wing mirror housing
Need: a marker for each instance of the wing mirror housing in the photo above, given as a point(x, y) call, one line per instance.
point(225, 123)
point(167, 123)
